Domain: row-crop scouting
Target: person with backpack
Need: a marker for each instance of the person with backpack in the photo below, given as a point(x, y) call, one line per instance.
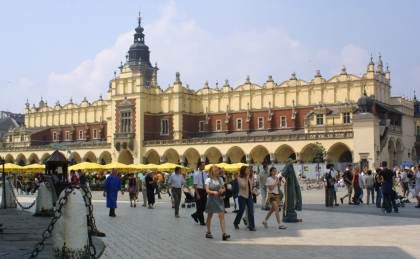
point(329, 179)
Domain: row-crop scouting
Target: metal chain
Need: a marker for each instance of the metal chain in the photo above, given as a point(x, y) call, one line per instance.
point(17, 201)
point(48, 232)
point(90, 219)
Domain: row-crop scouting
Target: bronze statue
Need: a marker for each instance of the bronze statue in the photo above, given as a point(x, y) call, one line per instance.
point(292, 194)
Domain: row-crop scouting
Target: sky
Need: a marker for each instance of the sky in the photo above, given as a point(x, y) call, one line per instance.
point(62, 50)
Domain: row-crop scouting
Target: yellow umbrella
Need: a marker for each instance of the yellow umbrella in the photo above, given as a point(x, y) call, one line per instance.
point(141, 167)
point(208, 166)
point(171, 167)
point(116, 166)
point(234, 167)
point(226, 167)
point(86, 166)
point(150, 167)
point(34, 168)
point(11, 168)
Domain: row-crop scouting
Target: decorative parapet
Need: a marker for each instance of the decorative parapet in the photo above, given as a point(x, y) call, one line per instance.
point(72, 145)
point(247, 139)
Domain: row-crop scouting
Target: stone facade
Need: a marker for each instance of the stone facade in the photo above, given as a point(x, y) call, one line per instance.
point(353, 118)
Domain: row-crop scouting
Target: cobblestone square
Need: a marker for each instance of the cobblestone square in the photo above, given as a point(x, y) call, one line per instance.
point(342, 232)
point(347, 232)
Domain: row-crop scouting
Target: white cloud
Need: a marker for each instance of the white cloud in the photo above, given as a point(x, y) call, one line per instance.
point(178, 43)
point(91, 77)
point(354, 58)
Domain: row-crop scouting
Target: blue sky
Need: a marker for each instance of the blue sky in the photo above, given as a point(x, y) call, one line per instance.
point(69, 49)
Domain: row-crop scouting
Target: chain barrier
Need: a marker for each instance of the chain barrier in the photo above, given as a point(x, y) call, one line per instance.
point(87, 197)
point(17, 201)
point(48, 232)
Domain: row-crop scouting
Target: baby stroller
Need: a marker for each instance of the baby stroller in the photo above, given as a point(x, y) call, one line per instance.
point(401, 200)
point(189, 200)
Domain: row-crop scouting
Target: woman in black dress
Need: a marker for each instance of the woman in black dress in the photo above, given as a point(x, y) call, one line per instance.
point(150, 188)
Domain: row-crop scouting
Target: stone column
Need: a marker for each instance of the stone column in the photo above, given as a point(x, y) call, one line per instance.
point(225, 159)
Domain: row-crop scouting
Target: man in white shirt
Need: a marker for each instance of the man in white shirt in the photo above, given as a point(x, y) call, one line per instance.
point(199, 179)
point(176, 181)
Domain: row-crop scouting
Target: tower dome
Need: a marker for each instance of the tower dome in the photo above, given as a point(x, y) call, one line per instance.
point(365, 103)
point(139, 52)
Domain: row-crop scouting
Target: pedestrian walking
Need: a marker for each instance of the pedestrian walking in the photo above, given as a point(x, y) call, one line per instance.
point(387, 190)
point(378, 187)
point(142, 179)
point(330, 179)
point(262, 179)
point(404, 180)
point(199, 179)
point(176, 181)
point(215, 205)
point(133, 190)
point(348, 178)
point(111, 188)
point(150, 188)
point(273, 181)
point(369, 184)
point(356, 186)
point(245, 198)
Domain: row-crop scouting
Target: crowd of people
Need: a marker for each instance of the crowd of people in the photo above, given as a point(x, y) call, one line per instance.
point(384, 187)
point(212, 191)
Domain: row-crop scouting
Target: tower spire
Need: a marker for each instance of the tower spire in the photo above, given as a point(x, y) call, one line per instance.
point(139, 35)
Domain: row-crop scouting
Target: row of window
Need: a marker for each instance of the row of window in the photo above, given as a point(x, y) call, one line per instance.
point(22, 138)
point(239, 124)
point(346, 118)
point(68, 136)
point(164, 123)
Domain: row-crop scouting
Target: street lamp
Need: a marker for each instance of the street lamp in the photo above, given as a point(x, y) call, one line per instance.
point(3, 177)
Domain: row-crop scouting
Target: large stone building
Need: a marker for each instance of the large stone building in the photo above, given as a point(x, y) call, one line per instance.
point(351, 118)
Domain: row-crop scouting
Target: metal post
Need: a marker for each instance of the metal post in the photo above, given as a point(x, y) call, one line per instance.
point(3, 176)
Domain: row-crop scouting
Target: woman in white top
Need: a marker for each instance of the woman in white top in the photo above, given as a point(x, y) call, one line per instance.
point(273, 183)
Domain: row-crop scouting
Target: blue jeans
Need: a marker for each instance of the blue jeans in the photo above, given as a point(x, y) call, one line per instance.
point(379, 198)
point(249, 203)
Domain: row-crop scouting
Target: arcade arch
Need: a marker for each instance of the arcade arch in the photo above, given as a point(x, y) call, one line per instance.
point(235, 154)
point(90, 157)
point(310, 152)
point(260, 154)
point(33, 159)
point(339, 153)
point(21, 160)
point(9, 159)
point(192, 157)
point(152, 157)
point(75, 158)
point(284, 153)
point(105, 158)
point(171, 156)
point(125, 157)
point(213, 156)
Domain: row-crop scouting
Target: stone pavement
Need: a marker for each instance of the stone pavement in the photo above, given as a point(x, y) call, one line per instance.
point(21, 232)
point(343, 232)
point(143, 233)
